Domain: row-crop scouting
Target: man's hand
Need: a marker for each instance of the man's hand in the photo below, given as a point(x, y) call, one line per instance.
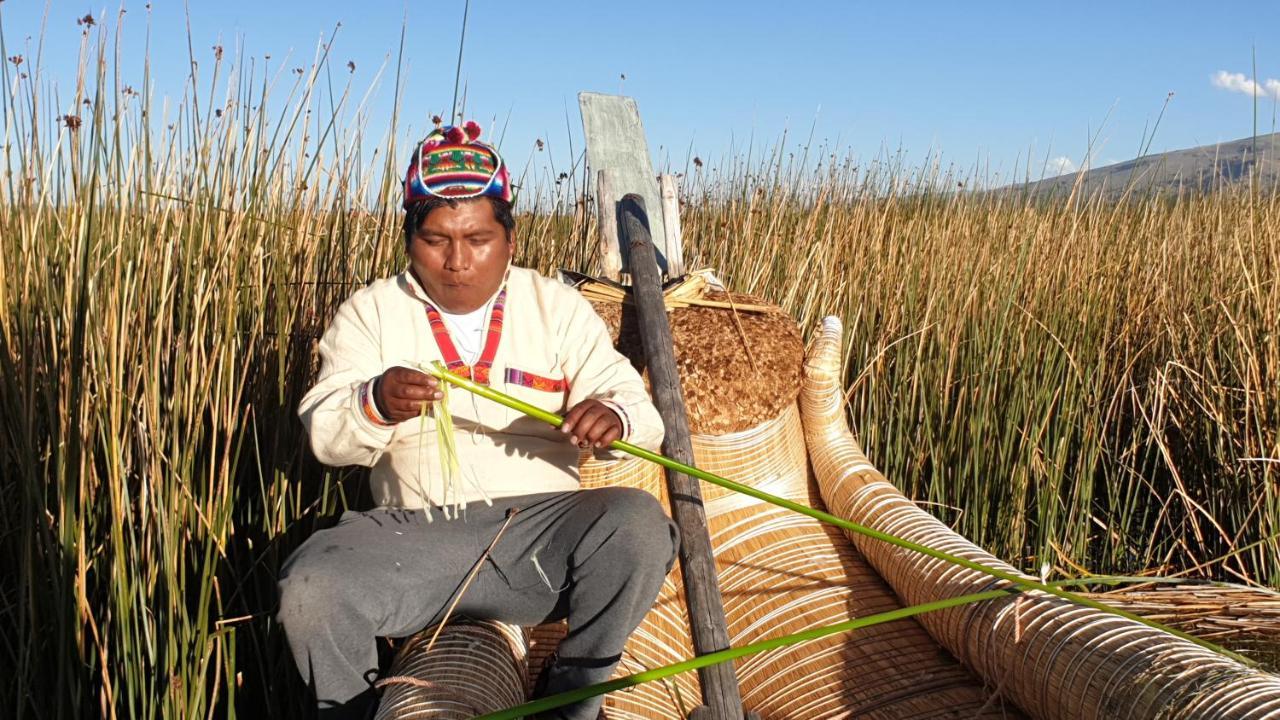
point(401, 391)
point(592, 424)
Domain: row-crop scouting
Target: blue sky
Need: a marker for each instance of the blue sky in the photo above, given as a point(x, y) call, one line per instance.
point(978, 82)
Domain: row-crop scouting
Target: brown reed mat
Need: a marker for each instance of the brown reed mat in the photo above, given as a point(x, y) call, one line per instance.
point(1213, 612)
point(543, 641)
point(1053, 658)
point(474, 667)
point(738, 369)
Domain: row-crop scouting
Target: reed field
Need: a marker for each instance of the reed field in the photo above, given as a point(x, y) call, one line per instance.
point(1076, 385)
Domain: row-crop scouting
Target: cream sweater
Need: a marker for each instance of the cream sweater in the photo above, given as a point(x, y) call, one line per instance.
point(548, 331)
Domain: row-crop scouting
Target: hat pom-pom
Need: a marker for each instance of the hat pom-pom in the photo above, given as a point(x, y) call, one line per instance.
point(454, 134)
point(472, 129)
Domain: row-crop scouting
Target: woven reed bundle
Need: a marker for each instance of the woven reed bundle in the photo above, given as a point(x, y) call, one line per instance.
point(475, 667)
point(1051, 657)
point(1213, 612)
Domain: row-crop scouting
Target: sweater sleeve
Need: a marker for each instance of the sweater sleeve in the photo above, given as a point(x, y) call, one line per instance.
point(597, 371)
point(341, 419)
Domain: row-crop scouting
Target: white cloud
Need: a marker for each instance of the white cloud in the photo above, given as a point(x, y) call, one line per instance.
point(1060, 165)
point(1238, 82)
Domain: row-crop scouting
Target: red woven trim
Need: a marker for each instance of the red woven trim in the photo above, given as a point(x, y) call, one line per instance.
point(370, 408)
point(493, 337)
point(447, 349)
point(449, 352)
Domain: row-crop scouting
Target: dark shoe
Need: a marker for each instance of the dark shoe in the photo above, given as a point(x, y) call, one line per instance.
point(361, 707)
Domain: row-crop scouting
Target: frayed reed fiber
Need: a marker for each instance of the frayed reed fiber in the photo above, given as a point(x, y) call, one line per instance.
point(1213, 612)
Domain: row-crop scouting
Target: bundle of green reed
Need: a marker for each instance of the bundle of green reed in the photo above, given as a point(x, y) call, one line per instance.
point(451, 471)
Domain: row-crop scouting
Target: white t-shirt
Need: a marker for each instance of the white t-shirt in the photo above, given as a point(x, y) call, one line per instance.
point(467, 330)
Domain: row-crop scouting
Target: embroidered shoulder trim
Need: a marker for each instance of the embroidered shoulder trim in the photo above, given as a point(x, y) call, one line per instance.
point(493, 337)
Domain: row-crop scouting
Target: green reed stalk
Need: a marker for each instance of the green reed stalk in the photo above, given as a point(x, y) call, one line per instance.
point(715, 658)
point(637, 451)
point(572, 696)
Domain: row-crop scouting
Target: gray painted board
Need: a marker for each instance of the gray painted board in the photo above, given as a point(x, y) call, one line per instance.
point(616, 145)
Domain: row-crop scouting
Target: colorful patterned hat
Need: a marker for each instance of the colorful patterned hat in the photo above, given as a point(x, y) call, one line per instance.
point(452, 163)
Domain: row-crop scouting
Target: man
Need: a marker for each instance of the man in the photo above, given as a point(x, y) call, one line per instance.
point(596, 557)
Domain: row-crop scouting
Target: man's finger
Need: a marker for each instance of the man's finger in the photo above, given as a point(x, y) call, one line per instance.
point(417, 392)
point(603, 422)
point(573, 417)
point(410, 376)
point(614, 434)
point(589, 428)
point(417, 379)
point(607, 435)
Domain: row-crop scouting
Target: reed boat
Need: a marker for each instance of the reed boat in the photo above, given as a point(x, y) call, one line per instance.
point(1029, 654)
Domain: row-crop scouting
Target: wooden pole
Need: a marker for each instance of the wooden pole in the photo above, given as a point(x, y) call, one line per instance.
point(606, 215)
point(720, 693)
point(669, 189)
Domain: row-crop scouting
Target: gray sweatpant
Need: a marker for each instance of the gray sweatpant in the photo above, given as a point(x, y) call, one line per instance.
point(596, 557)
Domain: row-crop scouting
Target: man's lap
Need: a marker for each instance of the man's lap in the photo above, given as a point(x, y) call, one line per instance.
point(395, 565)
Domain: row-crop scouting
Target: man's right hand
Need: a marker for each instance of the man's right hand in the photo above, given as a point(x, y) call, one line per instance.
point(401, 391)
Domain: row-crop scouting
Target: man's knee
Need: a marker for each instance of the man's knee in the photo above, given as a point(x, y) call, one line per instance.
point(640, 522)
point(309, 594)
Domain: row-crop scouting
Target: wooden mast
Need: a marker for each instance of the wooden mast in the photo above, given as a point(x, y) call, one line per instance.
point(697, 564)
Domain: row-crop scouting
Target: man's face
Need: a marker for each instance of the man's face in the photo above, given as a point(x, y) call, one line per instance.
point(459, 254)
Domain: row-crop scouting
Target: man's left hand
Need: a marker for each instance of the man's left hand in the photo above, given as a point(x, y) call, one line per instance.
point(591, 424)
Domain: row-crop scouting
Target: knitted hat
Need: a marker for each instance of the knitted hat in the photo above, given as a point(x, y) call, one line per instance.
point(452, 163)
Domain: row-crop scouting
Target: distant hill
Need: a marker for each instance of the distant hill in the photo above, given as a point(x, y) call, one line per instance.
point(1205, 168)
